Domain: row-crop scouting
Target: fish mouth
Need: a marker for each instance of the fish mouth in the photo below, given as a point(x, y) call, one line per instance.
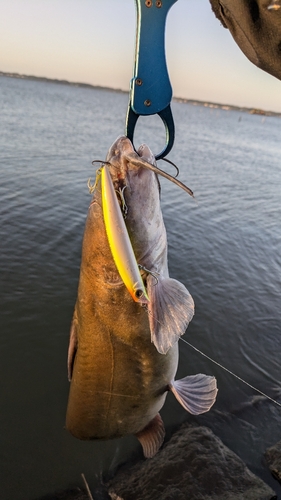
point(122, 156)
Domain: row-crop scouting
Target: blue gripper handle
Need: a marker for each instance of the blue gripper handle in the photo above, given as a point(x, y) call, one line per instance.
point(151, 91)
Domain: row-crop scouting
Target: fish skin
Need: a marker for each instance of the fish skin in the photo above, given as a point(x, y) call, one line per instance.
point(119, 379)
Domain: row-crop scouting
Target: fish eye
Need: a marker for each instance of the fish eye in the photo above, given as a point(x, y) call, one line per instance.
point(138, 293)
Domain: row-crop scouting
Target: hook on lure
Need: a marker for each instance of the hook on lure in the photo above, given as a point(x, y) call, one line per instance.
point(92, 187)
point(119, 191)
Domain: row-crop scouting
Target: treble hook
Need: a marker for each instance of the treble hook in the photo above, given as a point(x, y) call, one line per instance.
point(124, 206)
point(153, 273)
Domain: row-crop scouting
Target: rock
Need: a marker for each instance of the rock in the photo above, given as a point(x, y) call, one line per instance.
point(194, 465)
point(273, 457)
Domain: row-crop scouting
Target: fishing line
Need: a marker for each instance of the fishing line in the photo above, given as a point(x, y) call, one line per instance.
point(218, 364)
point(91, 188)
point(231, 373)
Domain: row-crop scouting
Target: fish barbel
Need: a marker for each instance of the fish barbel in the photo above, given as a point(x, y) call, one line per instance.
point(123, 357)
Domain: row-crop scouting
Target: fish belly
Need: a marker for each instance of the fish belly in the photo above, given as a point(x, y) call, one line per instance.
point(117, 388)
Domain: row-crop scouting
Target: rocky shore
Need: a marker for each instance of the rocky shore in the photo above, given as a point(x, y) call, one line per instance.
point(273, 457)
point(193, 465)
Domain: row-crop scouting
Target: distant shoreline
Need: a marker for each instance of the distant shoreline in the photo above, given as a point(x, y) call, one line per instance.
point(61, 82)
point(194, 102)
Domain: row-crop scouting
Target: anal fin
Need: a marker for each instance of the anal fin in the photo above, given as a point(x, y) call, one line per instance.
point(152, 436)
point(196, 393)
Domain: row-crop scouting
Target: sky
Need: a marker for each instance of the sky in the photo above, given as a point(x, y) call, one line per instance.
point(93, 41)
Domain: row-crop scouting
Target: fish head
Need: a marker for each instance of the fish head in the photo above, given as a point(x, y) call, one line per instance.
point(123, 157)
point(128, 166)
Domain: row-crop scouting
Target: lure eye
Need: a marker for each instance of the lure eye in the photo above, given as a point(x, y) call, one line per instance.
point(138, 293)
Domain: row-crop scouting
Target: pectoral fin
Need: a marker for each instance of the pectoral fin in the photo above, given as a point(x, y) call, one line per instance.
point(152, 436)
point(196, 393)
point(72, 348)
point(170, 310)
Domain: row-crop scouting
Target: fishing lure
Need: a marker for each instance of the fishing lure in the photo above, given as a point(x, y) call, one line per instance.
point(119, 241)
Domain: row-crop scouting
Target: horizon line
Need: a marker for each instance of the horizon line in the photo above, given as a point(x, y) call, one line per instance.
point(227, 107)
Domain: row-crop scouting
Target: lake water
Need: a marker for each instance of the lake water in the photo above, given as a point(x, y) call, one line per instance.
point(225, 247)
